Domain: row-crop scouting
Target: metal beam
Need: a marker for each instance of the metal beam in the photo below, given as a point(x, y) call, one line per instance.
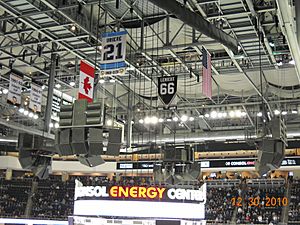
point(265, 40)
point(48, 110)
point(196, 21)
point(27, 129)
point(286, 20)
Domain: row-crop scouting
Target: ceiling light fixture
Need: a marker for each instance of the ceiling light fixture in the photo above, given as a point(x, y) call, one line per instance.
point(259, 114)
point(175, 119)
point(238, 113)
point(154, 120)
point(276, 112)
point(191, 119)
point(5, 91)
point(184, 118)
point(72, 83)
point(147, 120)
point(73, 27)
point(231, 114)
point(58, 86)
point(213, 114)
point(101, 81)
point(243, 114)
point(141, 121)
point(220, 115)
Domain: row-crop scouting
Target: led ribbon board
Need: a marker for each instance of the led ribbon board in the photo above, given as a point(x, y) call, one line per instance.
point(135, 201)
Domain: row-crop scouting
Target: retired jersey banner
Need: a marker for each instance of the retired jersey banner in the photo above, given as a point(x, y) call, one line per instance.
point(86, 81)
point(36, 94)
point(167, 88)
point(15, 89)
point(113, 53)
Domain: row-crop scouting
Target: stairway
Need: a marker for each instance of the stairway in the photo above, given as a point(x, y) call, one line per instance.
point(29, 204)
point(285, 209)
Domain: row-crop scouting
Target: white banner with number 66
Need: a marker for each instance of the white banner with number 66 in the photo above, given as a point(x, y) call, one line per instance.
point(167, 89)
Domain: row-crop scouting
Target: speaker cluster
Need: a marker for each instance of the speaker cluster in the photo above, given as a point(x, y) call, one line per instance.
point(33, 155)
point(81, 133)
point(272, 147)
point(178, 166)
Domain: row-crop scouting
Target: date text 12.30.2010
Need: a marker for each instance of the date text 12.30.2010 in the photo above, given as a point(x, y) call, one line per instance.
point(260, 202)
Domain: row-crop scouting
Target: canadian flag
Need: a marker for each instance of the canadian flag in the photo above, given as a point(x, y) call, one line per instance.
point(86, 82)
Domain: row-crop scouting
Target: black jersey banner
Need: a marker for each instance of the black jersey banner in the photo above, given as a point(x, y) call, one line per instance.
point(167, 88)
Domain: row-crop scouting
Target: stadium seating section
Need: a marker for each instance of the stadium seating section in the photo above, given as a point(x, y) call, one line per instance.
point(53, 198)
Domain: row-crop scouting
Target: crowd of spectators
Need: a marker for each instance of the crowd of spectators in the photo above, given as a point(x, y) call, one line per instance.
point(256, 211)
point(53, 199)
point(294, 206)
point(13, 197)
point(218, 206)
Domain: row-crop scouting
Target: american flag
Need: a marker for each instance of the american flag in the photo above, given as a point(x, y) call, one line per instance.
point(206, 73)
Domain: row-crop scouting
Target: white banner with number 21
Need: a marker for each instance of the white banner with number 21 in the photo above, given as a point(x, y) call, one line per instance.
point(113, 47)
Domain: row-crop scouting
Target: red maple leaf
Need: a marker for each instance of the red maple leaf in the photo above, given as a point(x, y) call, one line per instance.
point(87, 85)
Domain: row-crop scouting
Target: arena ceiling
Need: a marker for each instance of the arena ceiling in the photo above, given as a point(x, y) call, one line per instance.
point(265, 69)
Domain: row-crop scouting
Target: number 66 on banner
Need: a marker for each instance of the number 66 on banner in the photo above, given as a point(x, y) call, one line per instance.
point(167, 88)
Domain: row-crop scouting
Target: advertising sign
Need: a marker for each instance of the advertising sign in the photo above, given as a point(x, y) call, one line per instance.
point(157, 202)
point(242, 162)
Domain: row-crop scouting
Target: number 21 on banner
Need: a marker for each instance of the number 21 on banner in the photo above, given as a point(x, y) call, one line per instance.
point(109, 52)
point(113, 47)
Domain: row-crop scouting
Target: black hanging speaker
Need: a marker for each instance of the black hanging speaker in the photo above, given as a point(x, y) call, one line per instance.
point(25, 141)
point(95, 141)
point(114, 142)
point(79, 141)
point(64, 142)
